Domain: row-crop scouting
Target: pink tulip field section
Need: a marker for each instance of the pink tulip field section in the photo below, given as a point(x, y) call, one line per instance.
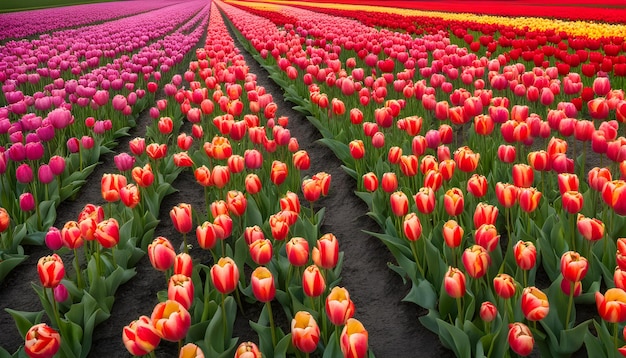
point(17, 25)
point(77, 49)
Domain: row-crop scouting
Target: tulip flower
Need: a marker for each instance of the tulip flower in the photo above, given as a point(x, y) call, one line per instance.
point(253, 184)
point(453, 202)
point(357, 149)
point(539, 160)
point(206, 235)
point(408, 165)
point(520, 339)
point(487, 236)
point(485, 214)
point(323, 179)
point(225, 275)
point(144, 177)
point(313, 283)
point(399, 203)
point(51, 270)
point(620, 256)
point(425, 200)
point(262, 282)
point(412, 227)
point(488, 312)
point(190, 350)
point(71, 235)
point(261, 251)
point(325, 254)
point(181, 289)
point(278, 172)
point(452, 234)
point(290, 202)
point(111, 185)
point(108, 233)
point(354, 339)
point(525, 255)
point(248, 350)
point(339, 306)
point(297, 250)
point(591, 229)
point(279, 226)
point(236, 202)
point(305, 333)
point(42, 341)
point(534, 303)
point(171, 320)
point(370, 182)
point(506, 194)
point(389, 182)
point(477, 185)
point(572, 201)
point(161, 254)
point(183, 264)
point(466, 159)
point(504, 285)
point(612, 305)
point(53, 238)
point(476, 261)
point(130, 195)
point(220, 176)
point(567, 182)
point(523, 175)
point(181, 217)
point(454, 283)
point(506, 153)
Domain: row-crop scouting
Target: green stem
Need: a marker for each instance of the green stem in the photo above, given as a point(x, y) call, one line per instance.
point(272, 329)
point(572, 225)
point(185, 247)
point(224, 314)
point(459, 307)
point(615, 329)
point(205, 308)
point(79, 275)
point(238, 300)
point(55, 309)
point(570, 302)
point(413, 245)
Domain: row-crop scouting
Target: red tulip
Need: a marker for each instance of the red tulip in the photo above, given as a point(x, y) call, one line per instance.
point(452, 233)
point(567, 182)
point(326, 252)
point(399, 203)
point(485, 214)
point(523, 175)
point(180, 289)
point(504, 285)
point(477, 185)
point(248, 350)
point(111, 185)
point(529, 199)
point(42, 341)
point(253, 184)
point(339, 306)
point(171, 320)
point(466, 159)
point(487, 236)
point(506, 194)
point(305, 333)
point(51, 270)
point(278, 172)
point(476, 261)
point(225, 275)
point(453, 202)
point(370, 182)
point(143, 176)
point(412, 227)
point(354, 339)
point(488, 311)
point(161, 254)
point(140, 337)
point(573, 266)
point(389, 182)
point(425, 200)
point(506, 153)
point(520, 339)
point(313, 283)
point(71, 235)
point(108, 233)
point(261, 251)
point(454, 282)
point(297, 250)
point(262, 282)
point(591, 229)
point(535, 304)
point(612, 305)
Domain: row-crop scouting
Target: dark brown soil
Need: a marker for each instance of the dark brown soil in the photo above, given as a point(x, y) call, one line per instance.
point(393, 326)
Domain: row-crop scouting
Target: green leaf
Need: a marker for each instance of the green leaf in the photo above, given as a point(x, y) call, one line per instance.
point(423, 294)
point(24, 320)
point(454, 338)
point(333, 349)
point(9, 262)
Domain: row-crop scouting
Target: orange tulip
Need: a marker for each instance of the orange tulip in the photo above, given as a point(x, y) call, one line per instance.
point(591, 229)
point(278, 173)
point(140, 337)
point(523, 175)
point(305, 333)
point(253, 184)
point(504, 285)
point(539, 160)
point(485, 214)
point(573, 266)
point(477, 185)
point(220, 176)
point(181, 217)
point(572, 201)
point(399, 203)
point(290, 202)
point(252, 234)
point(446, 168)
point(483, 124)
point(487, 236)
point(454, 282)
point(525, 254)
point(279, 226)
point(370, 182)
point(620, 256)
point(412, 227)
point(466, 159)
point(236, 202)
point(161, 254)
point(567, 182)
point(262, 283)
point(51, 270)
point(42, 341)
point(597, 177)
point(354, 339)
point(529, 199)
point(433, 179)
point(389, 182)
point(452, 233)
point(130, 195)
point(88, 228)
point(180, 289)
point(190, 350)
point(248, 350)
point(357, 149)
point(111, 185)
point(225, 275)
point(5, 220)
point(339, 306)
point(428, 163)
point(325, 254)
point(506, 194)
point(108, 233)
point(408, 165)
point(183, 264)
point(311, 190)
point(520, 339)
point(206, 235)
point(535, 304)
point(171, 320)
point(556, 146)
point(323, 179)
point(156, 151)
point(143, 176)
point(313, 283)
point(297, 250)
point(425, 200)
point(612, 305)
point(261, 251)
point(71, 235)
point(476, 260)
point(453, 202)
point(203, 176)
point(394, 154)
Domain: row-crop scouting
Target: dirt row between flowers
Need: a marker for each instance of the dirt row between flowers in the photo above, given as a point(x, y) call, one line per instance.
point(393, 326)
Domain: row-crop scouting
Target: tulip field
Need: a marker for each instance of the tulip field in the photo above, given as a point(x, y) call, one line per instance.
point(288, 179)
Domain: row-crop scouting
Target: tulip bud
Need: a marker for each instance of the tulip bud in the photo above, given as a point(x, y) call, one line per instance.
point(354, 339)
point(297, 250)
point(520, 339)
point(454, 282)
point(225, 275)
point(313, 283)
point(248, 350)
point(525, 254)
point(181, 289)
point(51, 270)
point(339, 306)
point(535, 304)
point(488, 312)
point(171, 320)
point(161, 254)
point(42, 341)
point(305, 333)
point(262, 283)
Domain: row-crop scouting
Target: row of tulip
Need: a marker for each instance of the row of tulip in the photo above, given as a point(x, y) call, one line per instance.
point(197, 307)
point(28, 23)
point(62, 151)
point(603, 11)
point(546, 229)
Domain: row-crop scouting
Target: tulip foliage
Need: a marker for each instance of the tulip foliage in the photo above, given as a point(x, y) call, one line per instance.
point(491, 140)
